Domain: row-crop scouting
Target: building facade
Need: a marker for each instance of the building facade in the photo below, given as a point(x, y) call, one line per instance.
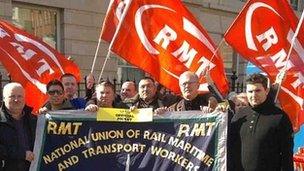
point(73, 27)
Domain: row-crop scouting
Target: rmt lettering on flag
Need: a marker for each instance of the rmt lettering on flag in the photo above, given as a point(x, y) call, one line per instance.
point(31, 62)
point(262, 33)
point(164, 39)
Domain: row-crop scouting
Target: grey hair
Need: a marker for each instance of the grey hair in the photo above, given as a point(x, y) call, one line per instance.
point(10, 86)
point(190, 74)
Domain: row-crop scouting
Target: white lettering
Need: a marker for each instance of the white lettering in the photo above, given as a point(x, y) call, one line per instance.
point(45, 67)
point(120, 9)
point(164, 37)
point(28, 54)
point(280, 59)
point(3, 33)
point(186, 55)
point(299, 81)
point(271, 38)
point(204, 64)
point(297, 45)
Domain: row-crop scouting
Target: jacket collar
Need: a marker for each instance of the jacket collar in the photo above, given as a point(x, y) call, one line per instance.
point(5, 116)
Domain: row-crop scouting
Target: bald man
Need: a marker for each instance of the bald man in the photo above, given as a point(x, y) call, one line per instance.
point(128, 90)
point(17, 130)
point(191, 99)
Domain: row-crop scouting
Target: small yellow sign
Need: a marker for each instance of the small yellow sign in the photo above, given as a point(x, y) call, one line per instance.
point(125, 115)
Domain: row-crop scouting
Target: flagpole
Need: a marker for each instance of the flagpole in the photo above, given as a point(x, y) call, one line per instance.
point(208, 67)
point(114, 37)
point(99, 40)
point(284, 70)
point(215, 52)
point(104, 65)
point(96, 52)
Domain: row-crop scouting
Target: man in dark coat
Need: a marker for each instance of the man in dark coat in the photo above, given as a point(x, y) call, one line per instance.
point(147, 92)
point(260, 136)
point(17, 130)
point(191, 99)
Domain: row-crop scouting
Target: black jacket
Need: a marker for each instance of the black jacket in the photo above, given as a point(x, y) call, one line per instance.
point(195, 104)
point(156, 103)
point(260, 138)
point(11, 153)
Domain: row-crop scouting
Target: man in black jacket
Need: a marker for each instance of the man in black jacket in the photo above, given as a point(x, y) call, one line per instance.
point(147, 92)
point(191, 99)
point(17, 130)
point(260, 135)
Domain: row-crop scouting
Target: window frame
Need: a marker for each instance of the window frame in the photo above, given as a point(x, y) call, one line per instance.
point(40, 7)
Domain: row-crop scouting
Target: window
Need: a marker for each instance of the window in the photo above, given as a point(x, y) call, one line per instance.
point(294, 4)
point(40, 21)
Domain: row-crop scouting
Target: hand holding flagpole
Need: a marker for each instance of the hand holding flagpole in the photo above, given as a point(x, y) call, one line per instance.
point(284, 70)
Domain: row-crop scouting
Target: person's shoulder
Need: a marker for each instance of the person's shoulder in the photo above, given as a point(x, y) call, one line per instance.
point(78, 103)
point(177, 106)
point(67, 105)
point(275, 110)
point(28, 110)
point(205, 95)
point(122, 105)
point(242, 112)
point(3, 117)
point(282, 113)
point(92, 101)
point(79, 99)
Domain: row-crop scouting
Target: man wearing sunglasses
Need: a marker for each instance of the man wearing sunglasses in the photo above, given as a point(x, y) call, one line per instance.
point(57, 100)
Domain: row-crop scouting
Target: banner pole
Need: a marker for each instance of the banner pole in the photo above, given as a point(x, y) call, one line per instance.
point(215, 52)
point(104, 65)
point(113, 39)
point(99, 40)
point(284, 70)
point(128, 163)
point(208, 67)
point(95, 56)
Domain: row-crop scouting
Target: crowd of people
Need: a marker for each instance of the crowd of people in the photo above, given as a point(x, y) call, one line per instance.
point(259, 132)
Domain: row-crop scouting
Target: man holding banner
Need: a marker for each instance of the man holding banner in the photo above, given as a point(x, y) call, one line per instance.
point(147, 92)
point(105, 97)
point(261, 133)
point(191, 99)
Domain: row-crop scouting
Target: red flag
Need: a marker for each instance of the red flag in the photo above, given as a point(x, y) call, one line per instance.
point(262, 34)
point(32, 62)
point(164, 39)
point(113, 16)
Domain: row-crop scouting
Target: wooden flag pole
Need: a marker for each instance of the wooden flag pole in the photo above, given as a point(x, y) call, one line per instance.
point(284, 70)
point(96, 52)
point(99, 40)
point(113, 39)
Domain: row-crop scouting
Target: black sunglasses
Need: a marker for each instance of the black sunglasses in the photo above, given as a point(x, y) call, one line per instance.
point(53, 92)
